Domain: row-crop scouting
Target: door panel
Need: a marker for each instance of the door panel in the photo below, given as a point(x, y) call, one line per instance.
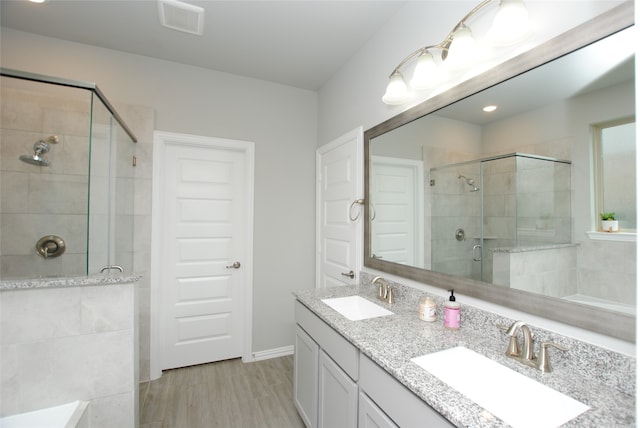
point(204, 228)
point(339, 224)
point(397, 230)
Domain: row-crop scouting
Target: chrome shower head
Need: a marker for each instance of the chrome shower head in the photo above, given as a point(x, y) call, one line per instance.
point(39, 148)
point(470, 182)
point(34, 159)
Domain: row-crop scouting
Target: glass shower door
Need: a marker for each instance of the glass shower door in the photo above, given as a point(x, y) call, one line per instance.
point(123, 198)
point(110, 193)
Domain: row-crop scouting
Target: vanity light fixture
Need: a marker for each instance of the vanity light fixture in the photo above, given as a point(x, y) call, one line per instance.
point(458, 50)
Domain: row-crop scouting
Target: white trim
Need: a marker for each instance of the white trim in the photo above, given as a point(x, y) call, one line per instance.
point(160, 139)
point(358, 135)
point(272, 353)
point(613, 236)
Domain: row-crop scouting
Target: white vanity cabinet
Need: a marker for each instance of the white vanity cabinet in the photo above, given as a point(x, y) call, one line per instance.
point(337, 386)
point(325, 373)
point(305, 375)
point(337, 396)
point(371, 416)
point(399, 403)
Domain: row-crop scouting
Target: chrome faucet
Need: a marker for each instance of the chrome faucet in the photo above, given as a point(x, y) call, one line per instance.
point(385, 291)
point(525, 354)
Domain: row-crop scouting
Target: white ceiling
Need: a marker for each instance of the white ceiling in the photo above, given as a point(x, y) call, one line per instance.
point(298, 43)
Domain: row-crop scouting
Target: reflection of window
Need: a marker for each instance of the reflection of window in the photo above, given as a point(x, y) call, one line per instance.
point(615, 171)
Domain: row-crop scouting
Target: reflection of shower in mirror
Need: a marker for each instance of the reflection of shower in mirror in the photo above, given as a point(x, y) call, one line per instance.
point(470, 182)
point(39, 148)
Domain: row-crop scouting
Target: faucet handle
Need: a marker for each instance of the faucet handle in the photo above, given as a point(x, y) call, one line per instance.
point(513, 350)
point(389, 297)
point(543, 356)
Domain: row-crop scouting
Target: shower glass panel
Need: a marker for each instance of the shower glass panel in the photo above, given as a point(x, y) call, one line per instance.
point(503, 203)
point(57, 215)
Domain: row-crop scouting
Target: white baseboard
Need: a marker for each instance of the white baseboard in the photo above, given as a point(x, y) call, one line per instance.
point(273, 353)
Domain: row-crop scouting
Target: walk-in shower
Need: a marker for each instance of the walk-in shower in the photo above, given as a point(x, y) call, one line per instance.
point(518, 201)
point(66, 177)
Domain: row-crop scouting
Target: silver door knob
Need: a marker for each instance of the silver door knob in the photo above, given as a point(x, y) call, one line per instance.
point(235, 265)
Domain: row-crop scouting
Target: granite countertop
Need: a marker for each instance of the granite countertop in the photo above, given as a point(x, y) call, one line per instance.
point(79, 281)
point(601, 379)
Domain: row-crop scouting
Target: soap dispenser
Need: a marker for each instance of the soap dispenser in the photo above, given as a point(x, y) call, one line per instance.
point(452, 312)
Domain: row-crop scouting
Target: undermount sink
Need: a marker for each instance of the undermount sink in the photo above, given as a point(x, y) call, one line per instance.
point(516, 399)
point(356, 308)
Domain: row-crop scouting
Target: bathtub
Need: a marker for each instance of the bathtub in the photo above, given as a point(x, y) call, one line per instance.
point(71, 415)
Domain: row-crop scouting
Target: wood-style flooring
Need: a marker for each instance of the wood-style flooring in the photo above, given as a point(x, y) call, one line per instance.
point(222, 394)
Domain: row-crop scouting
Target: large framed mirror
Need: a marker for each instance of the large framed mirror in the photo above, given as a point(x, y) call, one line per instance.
point(502, 206)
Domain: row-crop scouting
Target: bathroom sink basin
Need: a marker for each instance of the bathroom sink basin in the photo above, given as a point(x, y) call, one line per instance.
point(516, 399)
point(356, 308)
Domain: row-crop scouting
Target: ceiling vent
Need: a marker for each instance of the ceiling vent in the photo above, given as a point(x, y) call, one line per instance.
point(181, 16)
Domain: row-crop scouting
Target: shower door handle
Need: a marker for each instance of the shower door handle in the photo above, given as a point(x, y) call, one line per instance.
point(473, 252)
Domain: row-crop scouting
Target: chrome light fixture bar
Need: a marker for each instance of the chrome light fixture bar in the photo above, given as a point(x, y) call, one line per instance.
point(458, 50)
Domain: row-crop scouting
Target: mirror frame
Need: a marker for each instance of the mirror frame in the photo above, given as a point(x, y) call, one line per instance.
point(610, 323)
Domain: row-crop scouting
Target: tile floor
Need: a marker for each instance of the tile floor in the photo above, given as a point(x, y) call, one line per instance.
point(222, 394)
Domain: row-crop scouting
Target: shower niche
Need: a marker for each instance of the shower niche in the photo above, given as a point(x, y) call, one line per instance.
point(66, 179)
point(510, 207)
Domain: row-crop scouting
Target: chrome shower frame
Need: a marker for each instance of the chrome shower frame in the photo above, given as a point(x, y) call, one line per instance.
point(8, 72)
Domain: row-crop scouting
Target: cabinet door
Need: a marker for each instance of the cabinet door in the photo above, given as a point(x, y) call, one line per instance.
point(305, 377)
point(370, 415)
point(338, 396)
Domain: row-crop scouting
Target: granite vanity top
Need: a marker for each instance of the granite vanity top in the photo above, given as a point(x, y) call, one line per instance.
point(78, 281)
point(599, 378)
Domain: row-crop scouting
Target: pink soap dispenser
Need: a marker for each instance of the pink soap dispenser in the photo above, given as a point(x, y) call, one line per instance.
point(452, 312)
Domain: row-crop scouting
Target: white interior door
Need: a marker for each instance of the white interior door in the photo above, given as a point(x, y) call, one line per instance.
point(339, 223)
point(204, 260)
point(397, 192)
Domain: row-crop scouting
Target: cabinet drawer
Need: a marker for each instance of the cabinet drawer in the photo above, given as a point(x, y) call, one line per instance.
point(336, 346)
point(398, 402)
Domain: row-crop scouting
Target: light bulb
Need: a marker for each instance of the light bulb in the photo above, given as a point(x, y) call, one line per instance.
point(462, 51)
point(396, 92)
point(511, 23)
point(426, 74)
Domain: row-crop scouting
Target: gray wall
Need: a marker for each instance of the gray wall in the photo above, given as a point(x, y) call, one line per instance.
point(352, 97)
point(281, 120)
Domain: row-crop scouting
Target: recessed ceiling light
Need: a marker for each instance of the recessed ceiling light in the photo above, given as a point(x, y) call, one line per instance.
point(38, 1)
point(489, 109)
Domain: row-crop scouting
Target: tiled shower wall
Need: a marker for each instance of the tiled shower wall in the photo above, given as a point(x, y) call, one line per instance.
point(37, 200)
point(29, 209)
